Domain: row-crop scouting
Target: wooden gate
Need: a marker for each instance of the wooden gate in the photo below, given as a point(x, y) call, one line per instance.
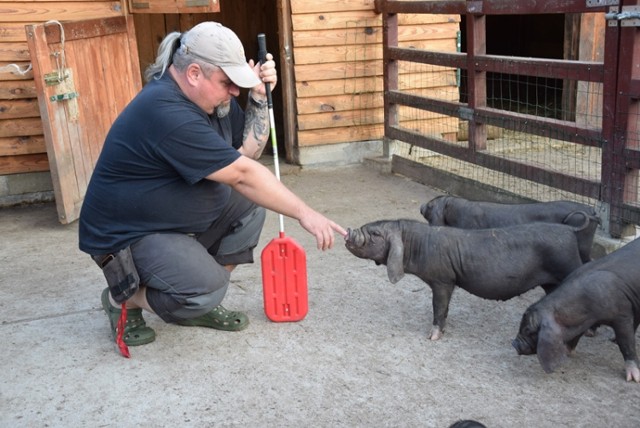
point(85, 73)
point(616, 135)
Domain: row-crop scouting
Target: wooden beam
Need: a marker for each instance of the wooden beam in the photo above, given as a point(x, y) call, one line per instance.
point(21, 127)
point(27, 145)
point(61, 11)
point(328, 6)
point(19, 108)
point(24, 163)
point(14, 52)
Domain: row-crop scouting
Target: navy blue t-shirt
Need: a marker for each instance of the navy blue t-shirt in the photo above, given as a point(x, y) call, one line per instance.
point(150, 176)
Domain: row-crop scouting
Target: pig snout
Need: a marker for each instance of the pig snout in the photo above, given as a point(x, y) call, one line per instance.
point(354, 238)
point(522, 347)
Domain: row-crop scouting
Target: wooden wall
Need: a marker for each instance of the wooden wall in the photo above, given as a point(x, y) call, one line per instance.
point(246, 18)
point(338, 66)
point(336, 57)
point(22, 146)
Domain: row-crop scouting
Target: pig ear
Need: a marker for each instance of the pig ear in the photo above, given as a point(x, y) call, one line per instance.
point(552, 352)
point(436, 217)
point(395, 258)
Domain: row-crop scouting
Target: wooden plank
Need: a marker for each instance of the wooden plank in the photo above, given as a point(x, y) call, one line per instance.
point(338, 87)
point(371, 84)
point(21, 108)
point(24, 163)
point(352, 69)
point(427, 19)
point(341, 36)
point(339, 103)
point(347, 19)
point(20, 127)
point(13, 146)
point(335, 20)
point(14, 52)
point(338, 70)
point(328, 6)
point(373, 35)
point(147, 40)
point(172, 6)
point(82, 30)
point(591, 48)
point(17, 89)
point(492, 7)
point(287, 87)
point(327, 54)
point(341, 135)
point(72, 3)
point(373, 116)
point(365, 100)
point(12, 32)
point(341, 119)
point(30, 12)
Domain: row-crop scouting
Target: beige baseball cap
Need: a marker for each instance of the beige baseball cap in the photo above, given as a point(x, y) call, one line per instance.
point(218, 45)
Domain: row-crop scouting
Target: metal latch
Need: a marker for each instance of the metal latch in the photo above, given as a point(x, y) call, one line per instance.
point(629, 17)
point(55, 78)
point(62, 97)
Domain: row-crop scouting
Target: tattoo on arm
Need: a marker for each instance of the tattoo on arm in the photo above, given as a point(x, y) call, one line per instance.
point(256, 121)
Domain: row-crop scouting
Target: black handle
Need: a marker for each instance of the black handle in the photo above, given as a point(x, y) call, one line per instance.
point(262, 55)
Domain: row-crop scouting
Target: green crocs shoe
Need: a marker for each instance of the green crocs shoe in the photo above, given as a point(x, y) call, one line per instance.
point(136, 331)
point(220, 319)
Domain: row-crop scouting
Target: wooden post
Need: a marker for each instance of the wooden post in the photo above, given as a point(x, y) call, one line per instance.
point(476, 79)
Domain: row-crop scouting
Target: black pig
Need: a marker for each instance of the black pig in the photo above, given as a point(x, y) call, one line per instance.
point(605, 291)
point(465, 214)
point(495, 264)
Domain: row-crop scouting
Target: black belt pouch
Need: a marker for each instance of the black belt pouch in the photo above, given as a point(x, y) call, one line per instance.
point(121, 274)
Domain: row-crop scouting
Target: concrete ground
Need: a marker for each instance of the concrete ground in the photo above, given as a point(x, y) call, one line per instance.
point(361, 357)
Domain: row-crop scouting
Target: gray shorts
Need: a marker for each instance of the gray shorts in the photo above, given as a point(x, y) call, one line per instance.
point(185, 275)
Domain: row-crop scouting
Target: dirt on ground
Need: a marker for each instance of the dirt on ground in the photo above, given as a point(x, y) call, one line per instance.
point(361, 357)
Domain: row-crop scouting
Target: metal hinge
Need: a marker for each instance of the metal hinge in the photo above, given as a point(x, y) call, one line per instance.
point(599, 3)
point(629, 17)
point(196, 3)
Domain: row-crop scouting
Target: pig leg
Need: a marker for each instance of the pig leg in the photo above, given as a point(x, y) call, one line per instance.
point(626, 339)
point(571, 344)
point(441, 298)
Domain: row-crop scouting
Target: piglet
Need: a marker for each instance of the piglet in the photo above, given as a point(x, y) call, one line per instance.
point(604, 291)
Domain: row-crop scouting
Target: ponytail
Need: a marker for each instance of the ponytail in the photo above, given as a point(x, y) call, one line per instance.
point(167, 49)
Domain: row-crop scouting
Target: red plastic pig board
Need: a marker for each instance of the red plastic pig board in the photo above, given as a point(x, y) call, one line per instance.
point(284, 280)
